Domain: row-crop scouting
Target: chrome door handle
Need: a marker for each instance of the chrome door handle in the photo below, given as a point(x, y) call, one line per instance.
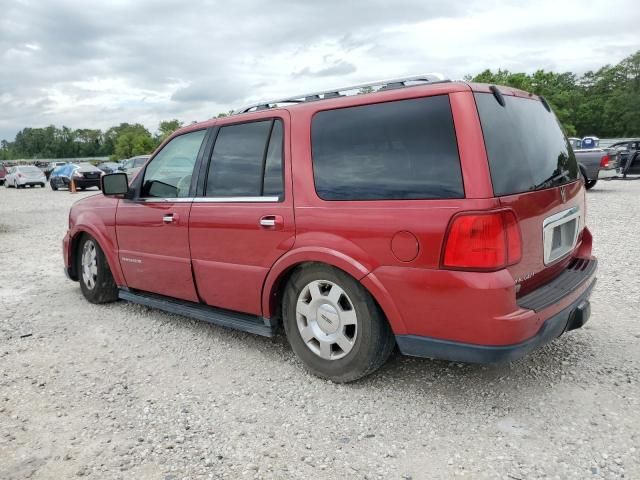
point(168, 218)
point(272, 222)
point(268, 222)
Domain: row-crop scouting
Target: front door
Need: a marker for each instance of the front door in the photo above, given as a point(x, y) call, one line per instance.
point(242, 221)
point(153, 228)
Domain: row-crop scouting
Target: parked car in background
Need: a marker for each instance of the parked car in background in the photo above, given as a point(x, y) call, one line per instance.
point(629, 152)
point(51, 166)
point(25, 176)
point(3, 173)
point(596, 164)
point(110, 167)
point(426, 215)
point(60, 177)
point(131, 166)
point(84, 176)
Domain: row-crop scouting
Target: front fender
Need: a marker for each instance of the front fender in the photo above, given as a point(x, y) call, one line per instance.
point(89, 222)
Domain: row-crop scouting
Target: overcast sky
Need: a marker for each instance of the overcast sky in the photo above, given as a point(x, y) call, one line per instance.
point(82, 65)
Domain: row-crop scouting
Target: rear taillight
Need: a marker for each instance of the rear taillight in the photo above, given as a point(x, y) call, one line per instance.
point(604, 162)
point(482, 241)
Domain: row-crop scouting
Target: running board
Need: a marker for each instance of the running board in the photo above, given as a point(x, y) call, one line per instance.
point(217, 316)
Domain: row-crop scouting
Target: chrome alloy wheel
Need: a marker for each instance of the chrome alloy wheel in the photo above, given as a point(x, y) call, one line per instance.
point(326, 319)
point(89, 264)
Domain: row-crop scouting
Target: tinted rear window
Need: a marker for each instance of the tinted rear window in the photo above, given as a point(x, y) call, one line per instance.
point(396, 150)
point(525, 144)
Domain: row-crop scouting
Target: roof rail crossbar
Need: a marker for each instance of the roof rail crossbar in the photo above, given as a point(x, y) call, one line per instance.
point(339, 92)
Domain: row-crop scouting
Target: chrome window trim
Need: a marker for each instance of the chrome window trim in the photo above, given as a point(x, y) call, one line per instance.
point(165, 200)
point(236, 200)
point(554, 221)
point(211, 200)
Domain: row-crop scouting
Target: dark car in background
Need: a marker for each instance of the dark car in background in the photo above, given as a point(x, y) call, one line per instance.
point(629, 151)
point(110, 167)
point(84, 176)
point(50, 167)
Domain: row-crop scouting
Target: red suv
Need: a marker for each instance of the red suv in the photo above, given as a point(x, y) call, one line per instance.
point(446, 218)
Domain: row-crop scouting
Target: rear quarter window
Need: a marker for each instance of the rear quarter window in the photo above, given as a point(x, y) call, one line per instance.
point(404, 149)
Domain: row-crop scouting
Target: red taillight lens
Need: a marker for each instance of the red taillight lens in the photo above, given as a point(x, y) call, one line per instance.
point(604, 162)
point(483, 241)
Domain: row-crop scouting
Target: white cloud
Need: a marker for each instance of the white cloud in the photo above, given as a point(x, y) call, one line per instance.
point(64, 62)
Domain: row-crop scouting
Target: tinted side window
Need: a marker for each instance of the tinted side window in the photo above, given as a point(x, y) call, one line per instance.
point(273, 172)
point(247, 161)
point(169, 173)
point(405, 149)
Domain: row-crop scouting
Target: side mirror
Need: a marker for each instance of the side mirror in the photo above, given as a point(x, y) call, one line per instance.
point(114, 184)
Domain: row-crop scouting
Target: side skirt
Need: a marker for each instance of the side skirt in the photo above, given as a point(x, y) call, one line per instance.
point(217, 316)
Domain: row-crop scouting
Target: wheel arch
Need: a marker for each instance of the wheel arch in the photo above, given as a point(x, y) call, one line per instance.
point(278, 276)
point(105, 245)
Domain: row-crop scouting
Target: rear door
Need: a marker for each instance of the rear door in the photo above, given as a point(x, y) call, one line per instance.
point(242, 220)
point(153, 228)
point(534, 172)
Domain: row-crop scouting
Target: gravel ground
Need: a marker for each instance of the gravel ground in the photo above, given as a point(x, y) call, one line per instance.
point(122, 391)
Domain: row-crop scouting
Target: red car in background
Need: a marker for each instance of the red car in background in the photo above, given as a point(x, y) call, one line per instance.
point(446, 218)
point(3, 173)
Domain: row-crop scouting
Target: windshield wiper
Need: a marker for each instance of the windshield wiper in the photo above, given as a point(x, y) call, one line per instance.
point(552, 178)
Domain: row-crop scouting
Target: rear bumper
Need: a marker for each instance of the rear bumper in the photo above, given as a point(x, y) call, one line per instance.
point(31, 181)
point(608, 173)
point(87, 183)
point(477, 317)
point(572, 317)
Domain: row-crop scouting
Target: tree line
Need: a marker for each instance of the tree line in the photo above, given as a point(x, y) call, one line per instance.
point(122, 141)
point(605, 103)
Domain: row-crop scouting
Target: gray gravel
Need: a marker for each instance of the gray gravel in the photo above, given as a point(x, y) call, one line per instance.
point(122, 391)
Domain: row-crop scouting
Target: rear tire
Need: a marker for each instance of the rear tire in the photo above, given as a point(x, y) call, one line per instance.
point(96, 280)
point(334, 325)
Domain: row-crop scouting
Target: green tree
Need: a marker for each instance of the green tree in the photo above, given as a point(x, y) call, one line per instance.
point(166, 128)
point(127, 140)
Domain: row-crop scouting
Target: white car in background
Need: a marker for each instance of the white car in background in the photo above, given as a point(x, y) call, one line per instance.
point(25, 175)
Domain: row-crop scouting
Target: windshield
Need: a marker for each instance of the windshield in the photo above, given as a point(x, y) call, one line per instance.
point(526, 147)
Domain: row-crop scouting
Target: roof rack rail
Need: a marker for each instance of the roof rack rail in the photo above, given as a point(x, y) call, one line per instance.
point(340, 92)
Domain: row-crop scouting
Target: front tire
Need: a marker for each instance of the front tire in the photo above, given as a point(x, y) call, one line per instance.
point(334, 325)
point(589, 184)
point(53, 187)
point(96, 280)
